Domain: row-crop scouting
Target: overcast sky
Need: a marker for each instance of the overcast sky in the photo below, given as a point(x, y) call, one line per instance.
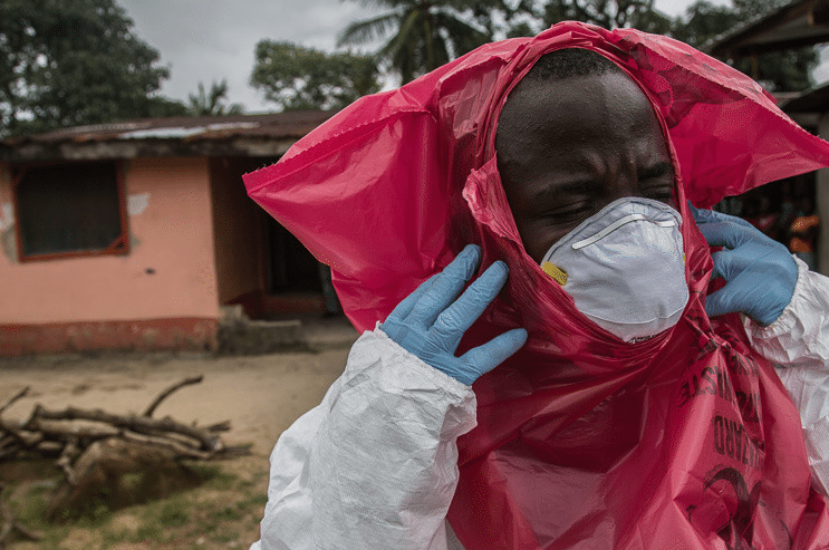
point(208, 40)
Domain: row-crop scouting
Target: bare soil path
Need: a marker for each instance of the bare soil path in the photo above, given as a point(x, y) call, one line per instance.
point(260, 395)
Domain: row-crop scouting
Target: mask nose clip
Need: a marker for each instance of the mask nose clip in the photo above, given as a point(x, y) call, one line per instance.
point(558, 274)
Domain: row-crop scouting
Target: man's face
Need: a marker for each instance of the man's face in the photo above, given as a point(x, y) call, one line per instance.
point(568, 148)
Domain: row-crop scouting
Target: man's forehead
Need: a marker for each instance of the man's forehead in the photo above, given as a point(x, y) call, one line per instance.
point(545, 112)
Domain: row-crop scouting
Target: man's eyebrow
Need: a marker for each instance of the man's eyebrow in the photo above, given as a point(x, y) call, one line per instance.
point(658, 169)
point(554, 190)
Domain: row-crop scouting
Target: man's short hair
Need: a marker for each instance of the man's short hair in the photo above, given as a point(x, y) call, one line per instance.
point(569, 63)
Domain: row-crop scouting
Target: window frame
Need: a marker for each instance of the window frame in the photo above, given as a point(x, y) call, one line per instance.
point(119, 247)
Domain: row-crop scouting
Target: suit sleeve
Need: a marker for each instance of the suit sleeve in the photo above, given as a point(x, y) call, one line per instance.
point(374, 466)
point(798, 343)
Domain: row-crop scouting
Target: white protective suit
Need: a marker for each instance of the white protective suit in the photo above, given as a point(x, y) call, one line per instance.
point(374, 465)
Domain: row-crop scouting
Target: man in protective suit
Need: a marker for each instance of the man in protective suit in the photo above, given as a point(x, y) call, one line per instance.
point(632, 406)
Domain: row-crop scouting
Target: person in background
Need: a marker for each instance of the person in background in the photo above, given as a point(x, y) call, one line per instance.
point(765, 219)
point(786, 211)
point(803, 233)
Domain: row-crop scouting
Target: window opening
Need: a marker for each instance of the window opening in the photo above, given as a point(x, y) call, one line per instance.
point(70, 209)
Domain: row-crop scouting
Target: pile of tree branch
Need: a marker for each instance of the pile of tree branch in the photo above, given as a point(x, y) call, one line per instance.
point(94, 448)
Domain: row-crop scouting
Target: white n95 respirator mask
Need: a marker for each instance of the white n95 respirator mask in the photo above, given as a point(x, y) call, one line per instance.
point(624, 267)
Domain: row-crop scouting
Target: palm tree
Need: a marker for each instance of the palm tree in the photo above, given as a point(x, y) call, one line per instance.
point(427, 34)
point(212, 103)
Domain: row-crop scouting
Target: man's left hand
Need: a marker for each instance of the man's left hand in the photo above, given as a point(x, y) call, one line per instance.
point(760, 273)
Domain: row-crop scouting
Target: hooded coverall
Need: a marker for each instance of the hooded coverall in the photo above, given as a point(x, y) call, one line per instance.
point(381, 462)
point(374, 464)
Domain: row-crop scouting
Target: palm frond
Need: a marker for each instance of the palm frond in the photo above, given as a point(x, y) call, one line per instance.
point(459, 24)
point(368, 30)
point(462, 36)
point(429, 42)
point(403, 36)
point(442, 53)
point(401, 50)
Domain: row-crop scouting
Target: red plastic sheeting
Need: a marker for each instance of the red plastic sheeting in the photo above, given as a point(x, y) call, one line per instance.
point(687, 440)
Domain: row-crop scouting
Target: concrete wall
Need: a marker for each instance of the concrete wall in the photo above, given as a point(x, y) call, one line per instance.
point(162, 294)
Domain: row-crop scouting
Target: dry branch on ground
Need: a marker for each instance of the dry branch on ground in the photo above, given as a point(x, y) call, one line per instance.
point(93, 447)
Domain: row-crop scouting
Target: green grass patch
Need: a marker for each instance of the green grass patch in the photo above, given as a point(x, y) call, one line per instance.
point(95, 515)
point(112, 537)
point(228, 513)
point(30, 510)
point(148, 531)
point(223, 535)
point(214, 476)
point(159, 518)
point(131, 482)
point(174, 512)
point(224, 509)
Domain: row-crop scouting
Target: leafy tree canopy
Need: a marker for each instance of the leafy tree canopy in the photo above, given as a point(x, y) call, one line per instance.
point(74, 62)
point(639, 14)
point(418, 36)
point(296, 77)
point(702, 22)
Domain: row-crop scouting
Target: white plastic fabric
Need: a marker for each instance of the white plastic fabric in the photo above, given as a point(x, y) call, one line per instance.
point(799, 343)
point(373, 467)
point(375, 464)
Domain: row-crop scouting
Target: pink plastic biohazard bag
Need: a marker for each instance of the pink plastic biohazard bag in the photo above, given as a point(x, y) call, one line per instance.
point(687, 440)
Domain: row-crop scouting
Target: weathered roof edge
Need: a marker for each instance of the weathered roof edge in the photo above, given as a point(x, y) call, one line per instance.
point(814, 100)
point(234, 135)
point(743, 39)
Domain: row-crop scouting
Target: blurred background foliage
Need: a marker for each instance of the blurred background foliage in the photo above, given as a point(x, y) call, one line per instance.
point(77, 62)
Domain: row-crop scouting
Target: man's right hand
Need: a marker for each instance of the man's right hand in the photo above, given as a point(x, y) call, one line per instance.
point(430, 322)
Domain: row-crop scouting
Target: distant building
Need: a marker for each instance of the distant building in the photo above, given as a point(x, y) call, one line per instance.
point(134, 235)
point(797, 24)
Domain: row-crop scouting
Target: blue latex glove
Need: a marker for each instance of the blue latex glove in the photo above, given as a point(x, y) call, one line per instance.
point(430, 322)
point(760, 273)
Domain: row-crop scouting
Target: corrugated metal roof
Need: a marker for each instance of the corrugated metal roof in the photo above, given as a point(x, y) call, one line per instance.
point(254, 135)
point(279, 125)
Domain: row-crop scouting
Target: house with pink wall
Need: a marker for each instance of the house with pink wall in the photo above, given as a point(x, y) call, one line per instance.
point(135, 235)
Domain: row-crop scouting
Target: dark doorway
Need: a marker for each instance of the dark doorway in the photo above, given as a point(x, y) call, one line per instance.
point(291, 268)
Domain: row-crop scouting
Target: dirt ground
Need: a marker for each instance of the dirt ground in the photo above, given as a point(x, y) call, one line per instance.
point(260, 395)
